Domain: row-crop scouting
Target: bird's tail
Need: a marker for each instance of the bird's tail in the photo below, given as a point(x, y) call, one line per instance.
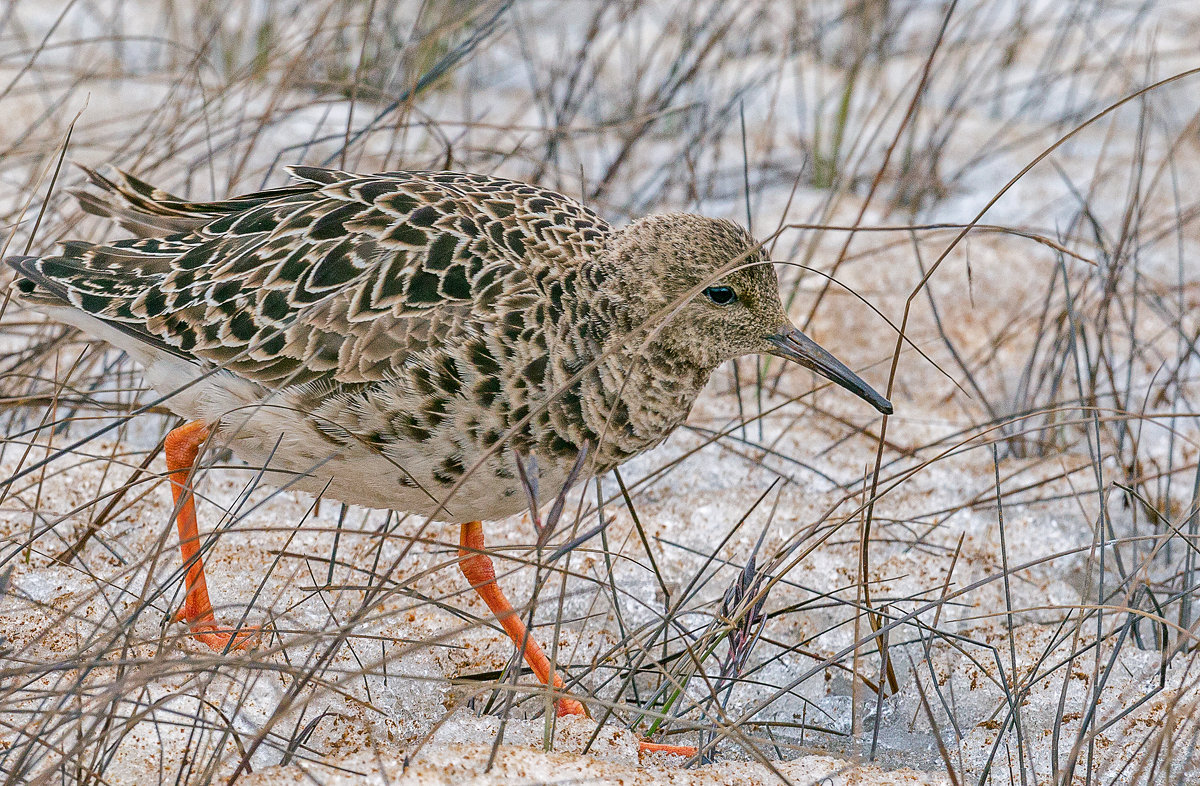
point(148, 211)
point(105, 303)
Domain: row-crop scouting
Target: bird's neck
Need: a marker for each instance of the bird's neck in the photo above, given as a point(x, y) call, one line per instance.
point(630, 386)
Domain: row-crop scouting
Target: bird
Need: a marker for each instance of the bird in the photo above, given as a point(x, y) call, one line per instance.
point(416, 341)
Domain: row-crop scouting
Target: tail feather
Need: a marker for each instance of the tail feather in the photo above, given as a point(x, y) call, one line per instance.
point(32, 287)
point(148, 211)
point(90, 302)
point(118, 290)
point(136, 205)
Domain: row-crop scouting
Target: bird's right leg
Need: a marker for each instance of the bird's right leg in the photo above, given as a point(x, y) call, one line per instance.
point(181, 447)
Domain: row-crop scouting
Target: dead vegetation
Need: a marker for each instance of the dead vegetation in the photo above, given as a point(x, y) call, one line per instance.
point(986, 208)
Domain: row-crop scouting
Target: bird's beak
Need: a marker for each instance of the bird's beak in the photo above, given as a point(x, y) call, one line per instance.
point(790, 344)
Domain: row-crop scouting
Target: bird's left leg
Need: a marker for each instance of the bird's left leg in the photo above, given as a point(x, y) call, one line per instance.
point(477, 567)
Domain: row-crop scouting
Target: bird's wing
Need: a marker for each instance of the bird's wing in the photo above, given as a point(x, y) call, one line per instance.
point(338, 279)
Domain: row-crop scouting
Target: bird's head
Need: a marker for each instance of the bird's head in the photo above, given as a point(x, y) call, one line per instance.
point(707, 293)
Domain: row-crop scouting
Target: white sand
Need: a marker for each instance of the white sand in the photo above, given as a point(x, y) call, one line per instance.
point(95, 674)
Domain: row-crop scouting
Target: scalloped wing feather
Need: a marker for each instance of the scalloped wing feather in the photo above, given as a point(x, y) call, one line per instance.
point(337, 279)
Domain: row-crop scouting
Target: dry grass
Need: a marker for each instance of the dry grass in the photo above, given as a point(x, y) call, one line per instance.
point(986, 208)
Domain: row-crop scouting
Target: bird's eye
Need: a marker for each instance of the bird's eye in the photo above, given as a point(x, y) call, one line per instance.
point(722, 296)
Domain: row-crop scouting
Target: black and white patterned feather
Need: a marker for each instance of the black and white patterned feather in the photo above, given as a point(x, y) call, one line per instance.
point(376, 336)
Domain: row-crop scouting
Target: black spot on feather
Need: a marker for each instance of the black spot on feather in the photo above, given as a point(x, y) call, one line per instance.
point(273, 345)
point(224, 290)
point(422, 380)
point(561, 447)
point(196, 257)
point(423, 288)
point(274, 306)
point(391, 282)
point(424, 217)
point(255, 222)
point(93, 304)
point(374, 190)
point(556, 305)
point(155, 302)
point(535, 371)
point(407, 424)
point(451, 469)
point(292, 268)
point(516, 242)
point(455, 284)
point(448, 377)
point(487, 390)
point(222, 225)
point(333, 224)
point(483, 360)
point(441, 252)
point(309, 291)
point(500, 208)
point(399, 202)
point(406, 233)
point(332, 271)
point(242, 326)
point(496, 230)
point(467, 226)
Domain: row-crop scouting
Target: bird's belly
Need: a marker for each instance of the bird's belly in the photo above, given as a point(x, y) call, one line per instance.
point(375, 480)
point(279, 438)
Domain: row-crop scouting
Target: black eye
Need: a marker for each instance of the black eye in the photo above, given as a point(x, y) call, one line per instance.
point(722, 296)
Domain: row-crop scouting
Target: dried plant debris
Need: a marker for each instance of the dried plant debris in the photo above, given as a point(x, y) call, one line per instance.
point(983, 208)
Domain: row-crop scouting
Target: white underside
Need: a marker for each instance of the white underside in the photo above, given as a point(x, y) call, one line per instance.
point(274, 434)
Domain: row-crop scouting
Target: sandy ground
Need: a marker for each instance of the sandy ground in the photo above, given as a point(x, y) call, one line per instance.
point(473, 764)
point(381, 666)
point(393, 693)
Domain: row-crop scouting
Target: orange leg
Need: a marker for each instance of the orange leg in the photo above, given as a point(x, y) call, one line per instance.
point(181, 447)
point(477, 567)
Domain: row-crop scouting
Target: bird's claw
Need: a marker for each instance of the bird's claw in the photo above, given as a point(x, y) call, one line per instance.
point(686, 751)
point(221, 639)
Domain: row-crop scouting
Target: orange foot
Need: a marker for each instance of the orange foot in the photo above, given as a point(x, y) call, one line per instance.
point(223, 639)
point(657, 747)
point(219, 638)
point(573, 707)
point(566, 706)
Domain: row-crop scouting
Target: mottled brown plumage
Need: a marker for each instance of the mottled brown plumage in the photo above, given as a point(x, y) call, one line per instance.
point(378, 336)
point(416, 340)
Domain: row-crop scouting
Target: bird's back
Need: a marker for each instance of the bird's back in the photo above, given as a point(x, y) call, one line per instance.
point(338, 278)
point(389, 324)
